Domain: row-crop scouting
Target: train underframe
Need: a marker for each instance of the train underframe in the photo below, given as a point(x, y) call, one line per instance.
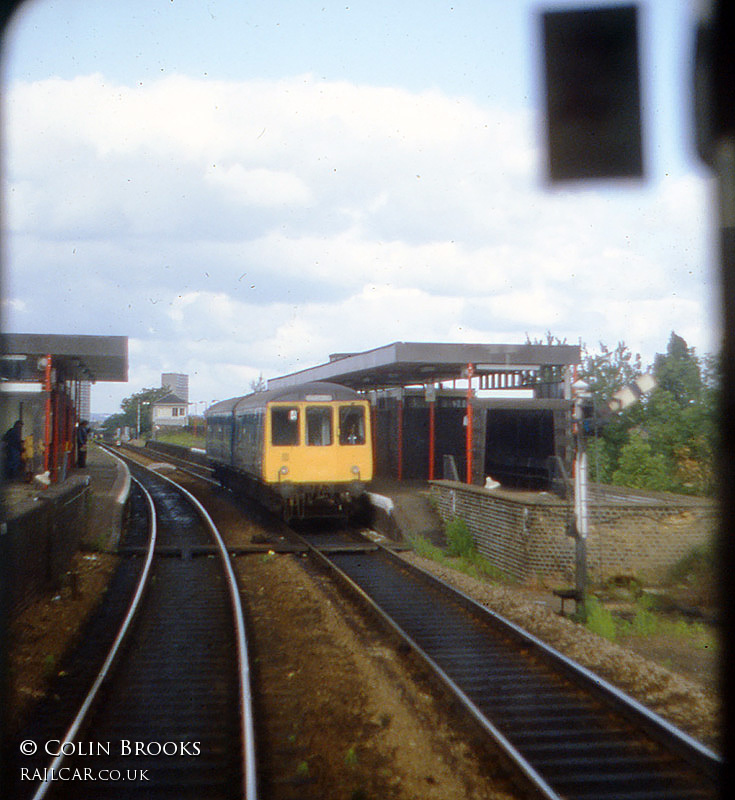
point(296, 500)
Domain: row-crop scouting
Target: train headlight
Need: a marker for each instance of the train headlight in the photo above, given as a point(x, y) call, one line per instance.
point(356, 471)
point(283, 470)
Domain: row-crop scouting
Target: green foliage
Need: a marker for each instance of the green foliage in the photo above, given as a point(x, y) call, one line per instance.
point(639, 467)
point(49, 666)
point(137, 406)
point(645, 622)
point(599, 619)
point(609, 371)
point(696, 566)
point(678, 372)
point(181, 437)
point(302, 770)
point(669, 439)
point(472, 564)
point(459, 538)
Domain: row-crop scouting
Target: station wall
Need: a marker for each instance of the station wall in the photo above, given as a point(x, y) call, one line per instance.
point(526, 537)
point(40, 539)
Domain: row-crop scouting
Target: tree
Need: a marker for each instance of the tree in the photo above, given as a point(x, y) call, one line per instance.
point(667, 441)
point(609, 371)
point(137, 404)
point(258, 386)
point(678, 372)
point(641, 468)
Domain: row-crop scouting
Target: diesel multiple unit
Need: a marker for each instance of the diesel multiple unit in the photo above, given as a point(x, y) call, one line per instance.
point(304, 450)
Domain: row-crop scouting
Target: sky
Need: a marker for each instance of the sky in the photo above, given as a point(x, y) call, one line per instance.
point(243, 188)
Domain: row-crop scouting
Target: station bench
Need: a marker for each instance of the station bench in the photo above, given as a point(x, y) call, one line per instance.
point(568, 594)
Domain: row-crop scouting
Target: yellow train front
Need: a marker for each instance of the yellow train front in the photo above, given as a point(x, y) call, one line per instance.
point(303, 451)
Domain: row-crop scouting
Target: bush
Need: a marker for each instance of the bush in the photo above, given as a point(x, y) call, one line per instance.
point(459, 538)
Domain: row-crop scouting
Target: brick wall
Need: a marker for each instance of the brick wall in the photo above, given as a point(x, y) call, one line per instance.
point(525, 534)
point(40, 540)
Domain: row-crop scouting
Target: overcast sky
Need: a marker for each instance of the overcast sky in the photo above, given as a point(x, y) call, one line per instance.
point(243, 188)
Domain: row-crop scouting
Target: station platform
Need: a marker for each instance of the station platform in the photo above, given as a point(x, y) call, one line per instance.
point(109, 490)
point(44, 526)
point(403, 511)
point(109, 484)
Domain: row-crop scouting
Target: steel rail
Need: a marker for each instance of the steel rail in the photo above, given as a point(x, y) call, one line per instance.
point(78, 721)
point(693, 752)
point(532, 778)
point(663, 731)
point(246, 706)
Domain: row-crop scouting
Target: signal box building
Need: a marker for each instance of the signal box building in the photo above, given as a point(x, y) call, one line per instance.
point(465, 412)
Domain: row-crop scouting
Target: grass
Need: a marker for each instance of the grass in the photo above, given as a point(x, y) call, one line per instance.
point(182, 438)
point(599, 619)
point(460, 554)
point(646, 623)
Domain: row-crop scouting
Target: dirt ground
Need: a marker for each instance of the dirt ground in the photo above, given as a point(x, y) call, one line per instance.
point(341, 714)
point(42, 633)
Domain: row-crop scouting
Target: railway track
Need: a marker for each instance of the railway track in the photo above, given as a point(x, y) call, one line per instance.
point(169, 712)
point(570, 734)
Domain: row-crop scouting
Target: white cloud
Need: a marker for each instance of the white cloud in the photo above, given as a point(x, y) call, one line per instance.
point(238, 228)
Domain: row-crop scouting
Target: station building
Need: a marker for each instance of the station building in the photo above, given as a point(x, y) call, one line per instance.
point(44, 383)
point(464, 412)
point(43, 520)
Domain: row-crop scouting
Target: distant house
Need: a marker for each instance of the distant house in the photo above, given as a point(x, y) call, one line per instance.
point(170, 411)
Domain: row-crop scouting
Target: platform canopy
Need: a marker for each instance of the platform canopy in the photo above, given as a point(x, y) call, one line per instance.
point(420, 363)
point(75, 358)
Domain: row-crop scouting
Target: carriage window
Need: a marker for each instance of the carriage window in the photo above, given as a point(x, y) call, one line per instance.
point(284, 426)
point(351, 425)
point(319, 425)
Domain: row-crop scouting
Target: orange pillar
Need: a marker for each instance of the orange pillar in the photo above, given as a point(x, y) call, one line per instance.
point(47, 428)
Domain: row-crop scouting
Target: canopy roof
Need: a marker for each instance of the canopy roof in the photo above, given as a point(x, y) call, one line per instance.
point(417, 363)
point(82, 357)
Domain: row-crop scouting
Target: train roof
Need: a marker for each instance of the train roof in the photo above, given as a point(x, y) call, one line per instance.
point(313, 390)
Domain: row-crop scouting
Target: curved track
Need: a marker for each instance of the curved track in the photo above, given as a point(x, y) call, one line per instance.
point(569, 733)
point(172, 717)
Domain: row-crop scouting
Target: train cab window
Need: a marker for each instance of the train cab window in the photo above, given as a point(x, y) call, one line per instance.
point(284, 427)
point(351, 425)
point(319, 425)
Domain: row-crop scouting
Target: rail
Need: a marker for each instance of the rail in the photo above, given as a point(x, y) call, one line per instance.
point(73, 730)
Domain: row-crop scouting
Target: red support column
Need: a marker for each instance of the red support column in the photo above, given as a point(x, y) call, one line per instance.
point(47, 428)
point(55, 438)
point(470, 374)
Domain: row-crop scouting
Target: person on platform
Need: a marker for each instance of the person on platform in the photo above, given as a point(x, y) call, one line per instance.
point(13, 445)
point(82, 437)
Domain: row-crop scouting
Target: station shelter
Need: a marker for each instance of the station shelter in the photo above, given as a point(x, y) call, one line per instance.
point(464, 412)
point(41, 384)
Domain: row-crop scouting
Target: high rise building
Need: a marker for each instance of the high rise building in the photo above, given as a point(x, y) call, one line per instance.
point(85, 399)
point(177, 384)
